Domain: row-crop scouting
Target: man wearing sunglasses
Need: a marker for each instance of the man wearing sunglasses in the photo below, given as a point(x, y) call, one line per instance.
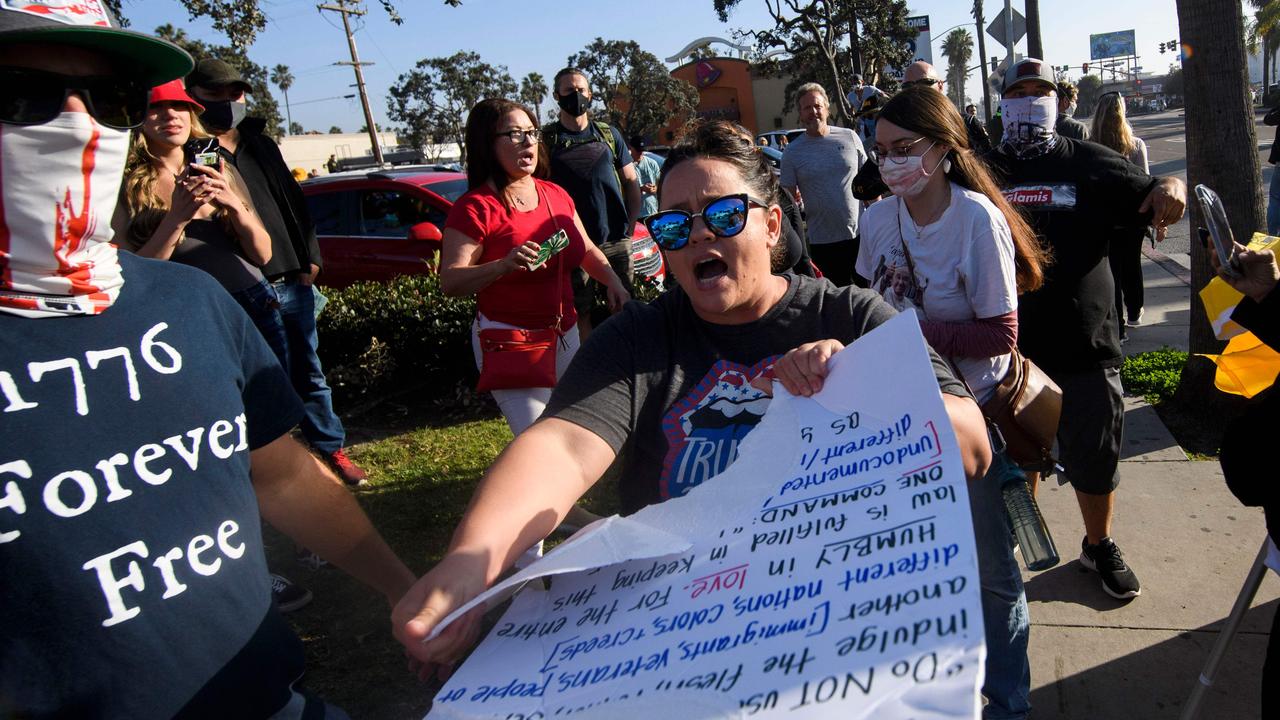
point(1075, 194)
point(922, 73)
point(138, 397)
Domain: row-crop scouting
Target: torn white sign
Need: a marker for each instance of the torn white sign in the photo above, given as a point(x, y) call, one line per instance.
point(829, 572)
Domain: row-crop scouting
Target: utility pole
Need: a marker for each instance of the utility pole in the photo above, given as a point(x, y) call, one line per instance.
point(341, 7)
point(1035, 46)
point(982, 57)
point(1008, 32)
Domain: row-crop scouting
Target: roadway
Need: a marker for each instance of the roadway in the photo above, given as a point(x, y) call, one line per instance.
point(1165, 135)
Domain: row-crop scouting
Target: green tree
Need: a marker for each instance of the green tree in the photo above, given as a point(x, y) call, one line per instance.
point(1089, 88)
point(434, 98)
point(241, 20)
point(533, 91)
point(283, 79)
point(261, 102)
point(1222, 152)
point(296, 129)
point(638, 93)
point(335, 130)
point(814, 32)
point(957, 47)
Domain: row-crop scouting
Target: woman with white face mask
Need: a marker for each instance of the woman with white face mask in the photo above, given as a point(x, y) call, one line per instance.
point(949, 242)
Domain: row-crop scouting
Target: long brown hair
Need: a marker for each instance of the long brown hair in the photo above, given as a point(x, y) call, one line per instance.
point(146, 206)
point(928, 112)
point(1110, 127)
point(482, 161)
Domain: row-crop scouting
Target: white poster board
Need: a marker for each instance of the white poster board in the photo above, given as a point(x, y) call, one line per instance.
point(830, 572)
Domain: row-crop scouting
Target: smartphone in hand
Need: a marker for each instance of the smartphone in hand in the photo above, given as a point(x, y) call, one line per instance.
point(1215, 219)
point(551, 246)
point(202, 151)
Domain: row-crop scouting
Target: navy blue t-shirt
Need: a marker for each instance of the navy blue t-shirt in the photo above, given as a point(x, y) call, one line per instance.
point(130, 542)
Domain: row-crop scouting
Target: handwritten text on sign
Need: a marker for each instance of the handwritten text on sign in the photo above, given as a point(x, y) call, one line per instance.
point(829, 572)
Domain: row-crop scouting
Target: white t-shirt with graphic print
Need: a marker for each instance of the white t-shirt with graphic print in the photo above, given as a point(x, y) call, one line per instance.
point(963, 266)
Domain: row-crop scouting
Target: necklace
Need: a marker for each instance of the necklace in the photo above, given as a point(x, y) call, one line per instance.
point(520, 199)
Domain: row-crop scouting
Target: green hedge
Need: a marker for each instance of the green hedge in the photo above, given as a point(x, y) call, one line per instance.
point(1153, 375)
point(375, 332)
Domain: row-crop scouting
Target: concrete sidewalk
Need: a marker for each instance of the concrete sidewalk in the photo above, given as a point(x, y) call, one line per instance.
point(1191, 544)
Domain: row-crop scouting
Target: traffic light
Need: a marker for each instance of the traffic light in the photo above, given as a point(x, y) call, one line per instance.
point(1084, 68)
point(1161, 48)
point(995, 64)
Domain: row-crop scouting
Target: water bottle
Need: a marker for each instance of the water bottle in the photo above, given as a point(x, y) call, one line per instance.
point(1038, 551)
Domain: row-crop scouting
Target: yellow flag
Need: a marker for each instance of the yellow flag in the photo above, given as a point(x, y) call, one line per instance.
point(1220, 299)
point(1246, 366)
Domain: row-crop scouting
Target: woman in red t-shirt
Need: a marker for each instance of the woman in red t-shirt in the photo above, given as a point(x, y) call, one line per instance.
point(493, 238)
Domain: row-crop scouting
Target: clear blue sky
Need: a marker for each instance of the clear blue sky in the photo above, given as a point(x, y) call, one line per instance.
point(530, 36)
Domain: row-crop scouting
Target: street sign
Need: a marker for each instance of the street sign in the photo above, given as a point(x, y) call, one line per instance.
point(996, 28)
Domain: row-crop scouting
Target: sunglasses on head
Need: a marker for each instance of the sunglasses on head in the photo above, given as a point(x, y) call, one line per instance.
point(34, 97)
point(724, 217)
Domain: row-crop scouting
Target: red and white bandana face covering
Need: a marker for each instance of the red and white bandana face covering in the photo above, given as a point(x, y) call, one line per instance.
point(59, 183)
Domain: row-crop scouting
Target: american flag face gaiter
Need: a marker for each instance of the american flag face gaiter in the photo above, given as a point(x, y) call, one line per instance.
point(59, 182)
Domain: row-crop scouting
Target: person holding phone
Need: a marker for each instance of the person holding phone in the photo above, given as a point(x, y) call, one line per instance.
point(179, 202)
point(512, 241)
point(1246, 446)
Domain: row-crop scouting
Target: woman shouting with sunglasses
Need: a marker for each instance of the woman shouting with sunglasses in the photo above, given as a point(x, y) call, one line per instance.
point(655, 378)
point(512, 241)
point(190, 207)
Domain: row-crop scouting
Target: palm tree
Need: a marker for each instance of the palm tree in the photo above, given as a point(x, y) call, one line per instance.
point(283, 79)
point(958, 49)
point(1262, 32)
point(1222, 152)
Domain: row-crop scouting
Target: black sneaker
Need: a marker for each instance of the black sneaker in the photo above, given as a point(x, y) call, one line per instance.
point(288, 596)
point(1107, 560)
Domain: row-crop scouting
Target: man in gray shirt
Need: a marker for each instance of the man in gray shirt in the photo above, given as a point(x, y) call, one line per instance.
point(819, 167)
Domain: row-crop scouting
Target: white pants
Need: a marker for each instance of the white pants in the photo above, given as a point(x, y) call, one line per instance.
point(522, 407)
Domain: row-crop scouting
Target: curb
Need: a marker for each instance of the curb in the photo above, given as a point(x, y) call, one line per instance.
point(1168, 264)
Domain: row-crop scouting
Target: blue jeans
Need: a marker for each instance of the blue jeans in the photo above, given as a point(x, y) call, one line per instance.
point(263, 307)
point(320, 425)
point(1273, 202)
point(1004, 605)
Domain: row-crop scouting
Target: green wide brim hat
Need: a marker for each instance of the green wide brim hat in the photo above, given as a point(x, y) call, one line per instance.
point(88, 24)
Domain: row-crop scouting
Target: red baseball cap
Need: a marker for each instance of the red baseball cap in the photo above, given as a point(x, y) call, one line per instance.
point(173, 91)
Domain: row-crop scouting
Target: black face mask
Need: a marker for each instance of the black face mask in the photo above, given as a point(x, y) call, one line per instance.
point(222, 114)
point(575, 104)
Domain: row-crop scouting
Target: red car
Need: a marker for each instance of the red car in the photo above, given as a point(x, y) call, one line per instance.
point(380, 224)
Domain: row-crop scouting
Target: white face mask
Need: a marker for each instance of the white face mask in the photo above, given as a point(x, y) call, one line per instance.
point(1029, 124)
point(60, 181)
point(909, 178)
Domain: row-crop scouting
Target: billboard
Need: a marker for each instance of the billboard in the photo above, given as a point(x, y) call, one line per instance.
point(1113, 44)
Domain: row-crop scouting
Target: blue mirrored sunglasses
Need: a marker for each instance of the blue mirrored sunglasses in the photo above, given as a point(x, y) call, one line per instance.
point(724, 217)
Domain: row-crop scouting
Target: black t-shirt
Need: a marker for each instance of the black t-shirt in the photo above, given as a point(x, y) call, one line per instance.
point(672, 393)
point(583, 165)
point(1075, 196)
point(130, 541)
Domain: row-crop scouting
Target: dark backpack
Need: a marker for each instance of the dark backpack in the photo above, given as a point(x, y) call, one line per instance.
point(553, 136)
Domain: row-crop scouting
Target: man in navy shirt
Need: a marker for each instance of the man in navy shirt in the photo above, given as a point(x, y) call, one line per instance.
point(145, 425)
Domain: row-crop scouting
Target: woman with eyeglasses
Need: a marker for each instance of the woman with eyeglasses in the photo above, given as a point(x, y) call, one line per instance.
point(512, 241)
point(656, 377)
point(950, 242)
point(192, 208)
point(1112, 129)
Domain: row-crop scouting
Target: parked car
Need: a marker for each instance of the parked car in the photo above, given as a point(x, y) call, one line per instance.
point(378, 225)
point(773, 138)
